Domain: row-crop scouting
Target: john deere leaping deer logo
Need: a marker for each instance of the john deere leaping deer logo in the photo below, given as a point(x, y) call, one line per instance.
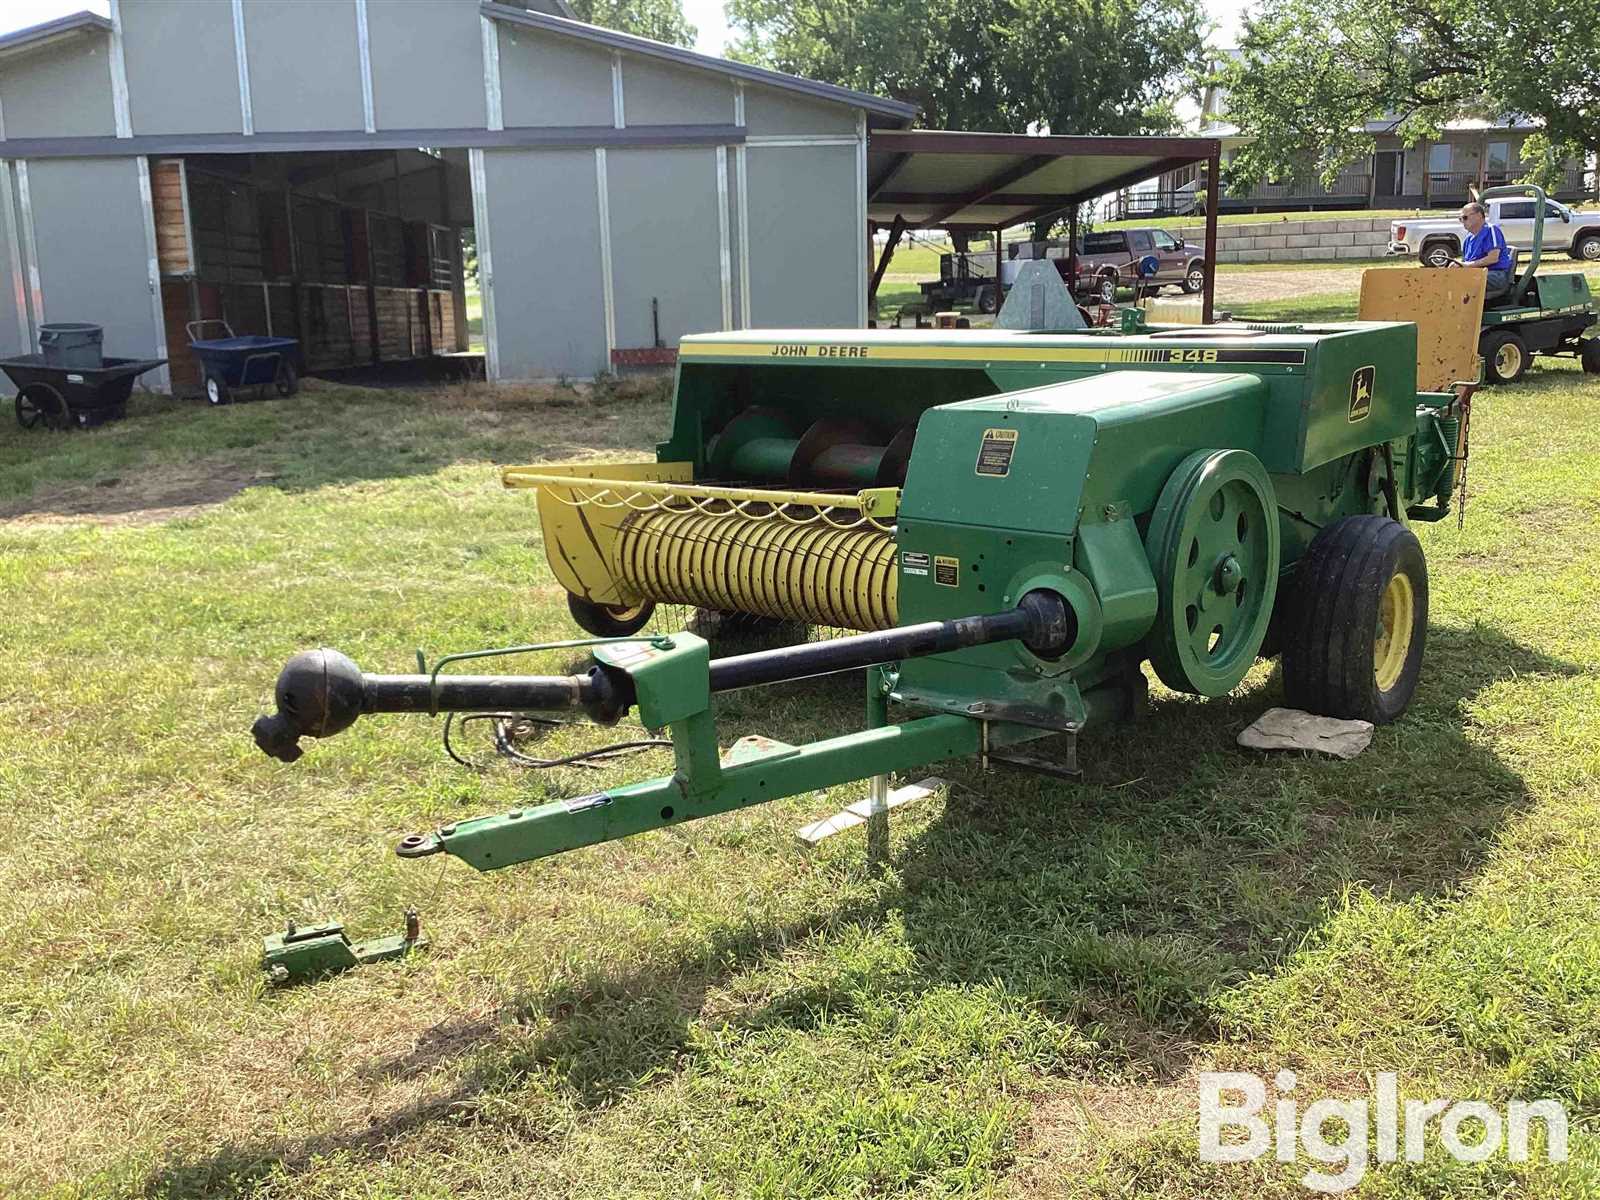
point(1361, 393)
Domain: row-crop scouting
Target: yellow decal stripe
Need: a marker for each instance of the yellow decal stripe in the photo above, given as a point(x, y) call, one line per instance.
point(833, 352)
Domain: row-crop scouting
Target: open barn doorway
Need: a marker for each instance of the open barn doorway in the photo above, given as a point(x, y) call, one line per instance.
point(362, 256)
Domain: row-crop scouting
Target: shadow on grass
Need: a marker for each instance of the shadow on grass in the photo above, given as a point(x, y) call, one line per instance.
point(1179, 866)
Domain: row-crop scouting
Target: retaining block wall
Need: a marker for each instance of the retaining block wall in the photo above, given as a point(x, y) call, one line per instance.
point(1288, 241)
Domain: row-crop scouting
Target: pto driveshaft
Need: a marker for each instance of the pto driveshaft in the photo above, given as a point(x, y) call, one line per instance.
point(321, 692)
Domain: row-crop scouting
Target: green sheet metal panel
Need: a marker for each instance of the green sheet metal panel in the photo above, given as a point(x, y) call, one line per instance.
point(665, 242)
point(167, 40)
point(1312, 376)
point(546, 79)
point(427, 64)
point(60, 91)
point(305, 66)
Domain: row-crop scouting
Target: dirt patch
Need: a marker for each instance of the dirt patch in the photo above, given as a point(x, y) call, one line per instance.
point(1245, 287)
point(1070, 1127)
point(144, 496)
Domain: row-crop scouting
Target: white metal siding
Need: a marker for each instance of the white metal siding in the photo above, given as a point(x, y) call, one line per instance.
point(427, 64)
point(665, 243)
point(156, 34)
point(805, 243)
point(547, 80)
point(545, 227)
point(305, 66)
point(64, 91)
point(93, 250)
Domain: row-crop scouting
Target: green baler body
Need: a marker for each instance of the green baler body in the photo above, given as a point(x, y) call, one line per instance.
point(1080, 465)
point(1097, 424)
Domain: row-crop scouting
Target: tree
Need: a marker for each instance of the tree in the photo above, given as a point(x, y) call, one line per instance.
point(1067, 66)
point(662, 20)
point(1313, 75)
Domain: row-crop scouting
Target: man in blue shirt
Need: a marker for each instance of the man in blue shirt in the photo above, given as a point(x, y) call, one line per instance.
point(1486, 247)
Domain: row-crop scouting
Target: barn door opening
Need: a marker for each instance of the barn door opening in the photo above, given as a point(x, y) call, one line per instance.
point(357, 255)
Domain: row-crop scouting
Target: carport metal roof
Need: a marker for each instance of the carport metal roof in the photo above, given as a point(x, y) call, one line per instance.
point(974, 182)
point(935, 178)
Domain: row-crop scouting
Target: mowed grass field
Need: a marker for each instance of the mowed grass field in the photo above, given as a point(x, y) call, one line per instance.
point(1018, 1006)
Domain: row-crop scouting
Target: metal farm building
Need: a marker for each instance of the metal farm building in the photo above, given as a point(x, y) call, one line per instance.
point(307, 168)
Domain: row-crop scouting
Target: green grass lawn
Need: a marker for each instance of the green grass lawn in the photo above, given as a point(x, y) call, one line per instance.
point(1017, 1007)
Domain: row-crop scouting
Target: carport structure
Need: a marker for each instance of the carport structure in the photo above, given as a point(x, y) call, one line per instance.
point(988, 182)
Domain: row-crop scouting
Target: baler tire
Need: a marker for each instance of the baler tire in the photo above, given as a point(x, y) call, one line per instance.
point(1357, 621)
point(609, 620)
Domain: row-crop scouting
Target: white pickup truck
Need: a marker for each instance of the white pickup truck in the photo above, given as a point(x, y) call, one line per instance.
point(1437, 240)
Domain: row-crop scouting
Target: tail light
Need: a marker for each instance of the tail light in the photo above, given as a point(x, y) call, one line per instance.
point(1399, 233)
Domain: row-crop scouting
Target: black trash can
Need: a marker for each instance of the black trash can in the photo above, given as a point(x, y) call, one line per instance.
point(71, 344)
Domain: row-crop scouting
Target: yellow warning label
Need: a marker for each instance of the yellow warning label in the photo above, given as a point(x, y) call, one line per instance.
point(946, 570)
point(995, 451)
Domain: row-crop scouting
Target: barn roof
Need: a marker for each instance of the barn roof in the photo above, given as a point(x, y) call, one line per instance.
point(937, 178)
point(895, 112)
point(36, 36)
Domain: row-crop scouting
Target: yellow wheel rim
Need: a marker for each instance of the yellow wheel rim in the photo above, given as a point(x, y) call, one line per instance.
point(1396, 614)
point(1508, 360)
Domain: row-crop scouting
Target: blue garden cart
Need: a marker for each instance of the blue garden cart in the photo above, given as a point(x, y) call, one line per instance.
point(232, 363)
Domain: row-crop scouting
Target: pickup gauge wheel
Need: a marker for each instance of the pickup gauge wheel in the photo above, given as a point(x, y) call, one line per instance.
point(610, 620)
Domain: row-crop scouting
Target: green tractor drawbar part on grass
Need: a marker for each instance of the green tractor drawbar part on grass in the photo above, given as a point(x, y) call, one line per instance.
point(1014, 522)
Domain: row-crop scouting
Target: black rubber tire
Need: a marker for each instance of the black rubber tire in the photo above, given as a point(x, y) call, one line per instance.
point(1437, 254)
point(1194, 279)
point(1589, 354)
point(39, 403)
point(1490, 346)
point(1587, 248)
point(287, 382)
point(604, 621)
point(1330, 624)
point(1105, 289)
point(216, 390)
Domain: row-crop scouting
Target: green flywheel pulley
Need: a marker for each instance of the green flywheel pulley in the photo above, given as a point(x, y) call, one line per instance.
point(1213, 548)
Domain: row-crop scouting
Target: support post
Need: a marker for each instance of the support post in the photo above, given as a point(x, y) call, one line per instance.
point(896, 231)
point(997, 234)
point(1213, 202)
point(879, 684)
point(1072, 251)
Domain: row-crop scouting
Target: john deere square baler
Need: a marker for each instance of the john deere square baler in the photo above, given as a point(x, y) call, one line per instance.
point(1013, 522)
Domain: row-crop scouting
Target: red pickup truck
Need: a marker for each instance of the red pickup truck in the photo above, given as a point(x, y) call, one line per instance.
point(1110, 260)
